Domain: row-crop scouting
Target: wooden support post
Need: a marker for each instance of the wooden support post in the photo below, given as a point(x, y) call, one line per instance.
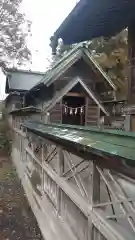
point(42, 174)
point(60, 170)
point(127, 123)
point(21, 148)
point(95, 198)
point(93, 233)
point(98, 115)
point(60, 162)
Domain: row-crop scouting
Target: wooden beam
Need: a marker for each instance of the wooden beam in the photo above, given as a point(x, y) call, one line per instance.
point(75, 94)
point(109, 230)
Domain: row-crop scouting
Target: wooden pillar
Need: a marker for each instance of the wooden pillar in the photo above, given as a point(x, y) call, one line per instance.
point(60, 170)
point(60, 162)
point(127, 123)
point(95, 198)
point(98, 116)
point(93, 233)
point(130, 116)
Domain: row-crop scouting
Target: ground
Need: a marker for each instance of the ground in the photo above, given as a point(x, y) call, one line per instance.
point(17, 221)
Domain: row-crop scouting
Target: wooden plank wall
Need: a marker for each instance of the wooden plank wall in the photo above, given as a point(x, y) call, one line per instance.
point(91, 113)
point(59, 84)
point(56, 113)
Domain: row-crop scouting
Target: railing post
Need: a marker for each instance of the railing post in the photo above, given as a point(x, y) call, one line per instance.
point(42, 176)
point(127, 123)
point(60, 173)
point(60, 161)
point(93, 233)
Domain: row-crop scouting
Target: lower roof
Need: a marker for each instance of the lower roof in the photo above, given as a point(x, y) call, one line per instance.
point(80, 51)
point(21, 80)
point(101, 142)
point(96, 18)
point(25, 111)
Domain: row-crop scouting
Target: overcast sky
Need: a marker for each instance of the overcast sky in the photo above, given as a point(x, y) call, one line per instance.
point(46, 16)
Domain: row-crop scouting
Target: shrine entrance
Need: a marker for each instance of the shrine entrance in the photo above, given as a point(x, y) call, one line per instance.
point(73, 109)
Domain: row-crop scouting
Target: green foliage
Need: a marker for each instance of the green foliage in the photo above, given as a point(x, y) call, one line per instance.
point(14, 29)
point(4, 136)
point(112, 55)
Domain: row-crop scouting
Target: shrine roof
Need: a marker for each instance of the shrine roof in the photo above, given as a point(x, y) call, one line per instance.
point(107, 144)
point(20, 80)
point(96, 18)
point(61, 66)
point(25, 111)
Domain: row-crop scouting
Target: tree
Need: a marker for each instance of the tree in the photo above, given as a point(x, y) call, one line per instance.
point(112, 55)
point(14, 29)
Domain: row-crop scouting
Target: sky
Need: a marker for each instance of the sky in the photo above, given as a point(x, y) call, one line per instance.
point(46, 16)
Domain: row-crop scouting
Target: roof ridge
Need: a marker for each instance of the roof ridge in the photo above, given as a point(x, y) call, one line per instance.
point(78, 46)
point(99, 68)
point(70, 58)
point(63, 58)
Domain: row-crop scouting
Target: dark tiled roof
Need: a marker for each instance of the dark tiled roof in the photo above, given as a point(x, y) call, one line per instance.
point(96, 18)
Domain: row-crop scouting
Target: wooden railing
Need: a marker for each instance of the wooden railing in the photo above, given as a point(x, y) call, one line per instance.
point(72, 197)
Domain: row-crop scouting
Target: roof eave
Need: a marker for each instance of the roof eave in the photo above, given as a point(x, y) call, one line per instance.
point(89, 92)
point(15, 70)
point(97, 66)
point(64, 68)
point(92, 95)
